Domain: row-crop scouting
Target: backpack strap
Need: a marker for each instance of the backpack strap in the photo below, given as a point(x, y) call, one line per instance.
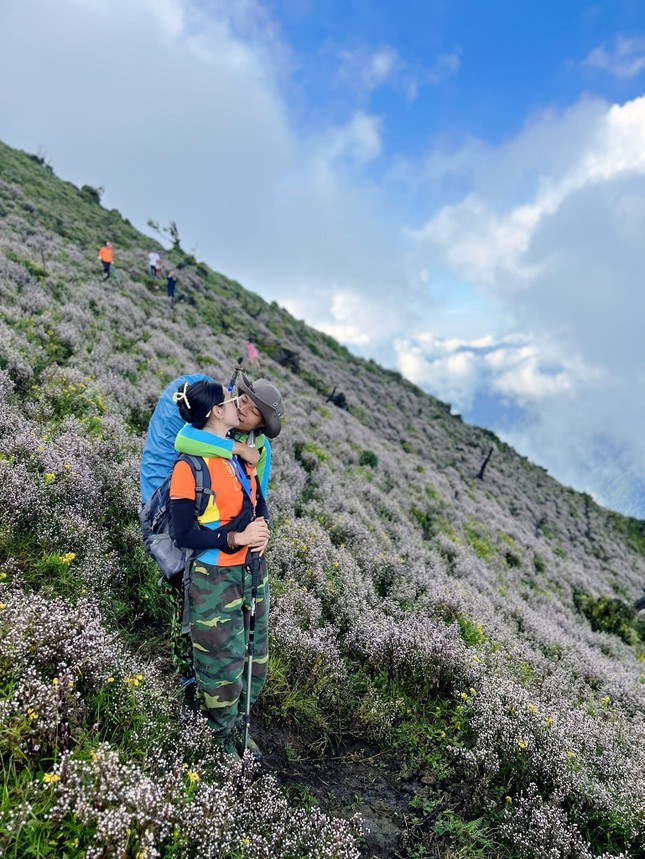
point(203, 489)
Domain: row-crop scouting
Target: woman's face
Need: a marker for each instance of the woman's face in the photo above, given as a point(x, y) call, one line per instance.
point(229, 411)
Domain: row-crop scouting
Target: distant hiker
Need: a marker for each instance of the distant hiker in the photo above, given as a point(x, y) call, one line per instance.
point(106, 255)
point(171, 283)
point(252, 354)
point(219, 588)
point(153, 261)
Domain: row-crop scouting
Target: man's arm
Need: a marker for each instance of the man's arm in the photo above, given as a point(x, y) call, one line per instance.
point(263, 468)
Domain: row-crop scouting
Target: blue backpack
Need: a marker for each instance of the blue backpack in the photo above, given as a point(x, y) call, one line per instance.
point(154, 517)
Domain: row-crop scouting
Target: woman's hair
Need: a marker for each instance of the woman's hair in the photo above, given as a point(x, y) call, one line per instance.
point(195, 401)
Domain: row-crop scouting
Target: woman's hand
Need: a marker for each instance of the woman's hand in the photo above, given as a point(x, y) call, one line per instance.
point(248, 454)
point(255, 536)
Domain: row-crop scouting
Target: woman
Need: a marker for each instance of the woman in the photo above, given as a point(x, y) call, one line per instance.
point(220, 588)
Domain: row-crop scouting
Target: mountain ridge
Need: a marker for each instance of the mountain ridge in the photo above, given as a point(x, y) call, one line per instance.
point(412, 591)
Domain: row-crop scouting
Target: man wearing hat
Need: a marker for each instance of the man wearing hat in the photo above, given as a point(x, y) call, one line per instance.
point(260, 406)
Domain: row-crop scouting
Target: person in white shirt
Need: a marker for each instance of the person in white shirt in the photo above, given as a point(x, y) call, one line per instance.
point(153, 261)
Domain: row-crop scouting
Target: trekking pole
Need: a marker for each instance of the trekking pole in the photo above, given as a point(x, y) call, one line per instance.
point(255, 577)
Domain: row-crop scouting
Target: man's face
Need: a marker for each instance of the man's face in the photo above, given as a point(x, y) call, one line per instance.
point(248, 413)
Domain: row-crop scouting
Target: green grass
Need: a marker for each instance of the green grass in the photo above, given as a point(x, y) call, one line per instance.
point(480, 541)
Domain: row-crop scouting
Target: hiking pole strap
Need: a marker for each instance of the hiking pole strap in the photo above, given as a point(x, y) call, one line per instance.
point(198, 468)
point(185, 615)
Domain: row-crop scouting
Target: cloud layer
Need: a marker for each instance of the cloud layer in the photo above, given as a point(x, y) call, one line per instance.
point(566, 261)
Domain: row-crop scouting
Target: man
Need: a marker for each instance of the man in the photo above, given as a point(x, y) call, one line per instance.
point(106, 255)
point(171, 283)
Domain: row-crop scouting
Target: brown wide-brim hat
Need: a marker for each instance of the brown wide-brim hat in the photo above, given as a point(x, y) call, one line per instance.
point(268, 399)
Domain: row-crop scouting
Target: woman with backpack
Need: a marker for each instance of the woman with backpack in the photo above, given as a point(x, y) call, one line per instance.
point(219, 595)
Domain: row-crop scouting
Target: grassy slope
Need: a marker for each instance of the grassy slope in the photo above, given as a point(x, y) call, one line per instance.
point(479, 631)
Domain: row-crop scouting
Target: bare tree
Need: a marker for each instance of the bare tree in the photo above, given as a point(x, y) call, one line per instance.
point(484, 464)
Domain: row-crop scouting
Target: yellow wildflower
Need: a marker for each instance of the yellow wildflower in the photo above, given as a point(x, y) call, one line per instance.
point(3, 576)
point(523, 744)
point(532, 708)
point(476, 658)
point(2, 606)
point(193, 776)
point(110, 680)
point(133, 681)
point(464, 696)
point(571, 755)
point(51, 778)
point(605, 700)
point(50, 477)
point(548, 721)
point(32, 714)
point(509, 800)
point(55, 682)
point(472, 691)
point(68, 558)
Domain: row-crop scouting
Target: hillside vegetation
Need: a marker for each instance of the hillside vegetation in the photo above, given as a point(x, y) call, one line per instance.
point(455, 660)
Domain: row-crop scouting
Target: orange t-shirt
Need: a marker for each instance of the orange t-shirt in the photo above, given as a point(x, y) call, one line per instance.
point(224, 504)
point(106, 254)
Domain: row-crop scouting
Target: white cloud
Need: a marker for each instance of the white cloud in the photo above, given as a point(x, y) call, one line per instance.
point(625, 60)
point(492, 247)
point(517, 368)
point(366, 69)
point(359, 139)
point(350, 319)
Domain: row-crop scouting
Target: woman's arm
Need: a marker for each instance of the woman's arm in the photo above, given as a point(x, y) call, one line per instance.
point(188, 535)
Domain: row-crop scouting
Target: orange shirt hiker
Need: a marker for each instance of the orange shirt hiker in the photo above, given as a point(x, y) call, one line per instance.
point(106, 254)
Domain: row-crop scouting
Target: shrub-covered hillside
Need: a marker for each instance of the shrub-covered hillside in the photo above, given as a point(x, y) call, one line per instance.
point(456, 667)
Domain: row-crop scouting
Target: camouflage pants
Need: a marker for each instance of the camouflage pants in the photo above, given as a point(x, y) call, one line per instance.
point(220, 601)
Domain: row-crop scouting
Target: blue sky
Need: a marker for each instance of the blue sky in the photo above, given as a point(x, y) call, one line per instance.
point(450, 70)
point(456, 189)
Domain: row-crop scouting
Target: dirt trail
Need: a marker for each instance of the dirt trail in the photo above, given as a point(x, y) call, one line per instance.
point(360, 780)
